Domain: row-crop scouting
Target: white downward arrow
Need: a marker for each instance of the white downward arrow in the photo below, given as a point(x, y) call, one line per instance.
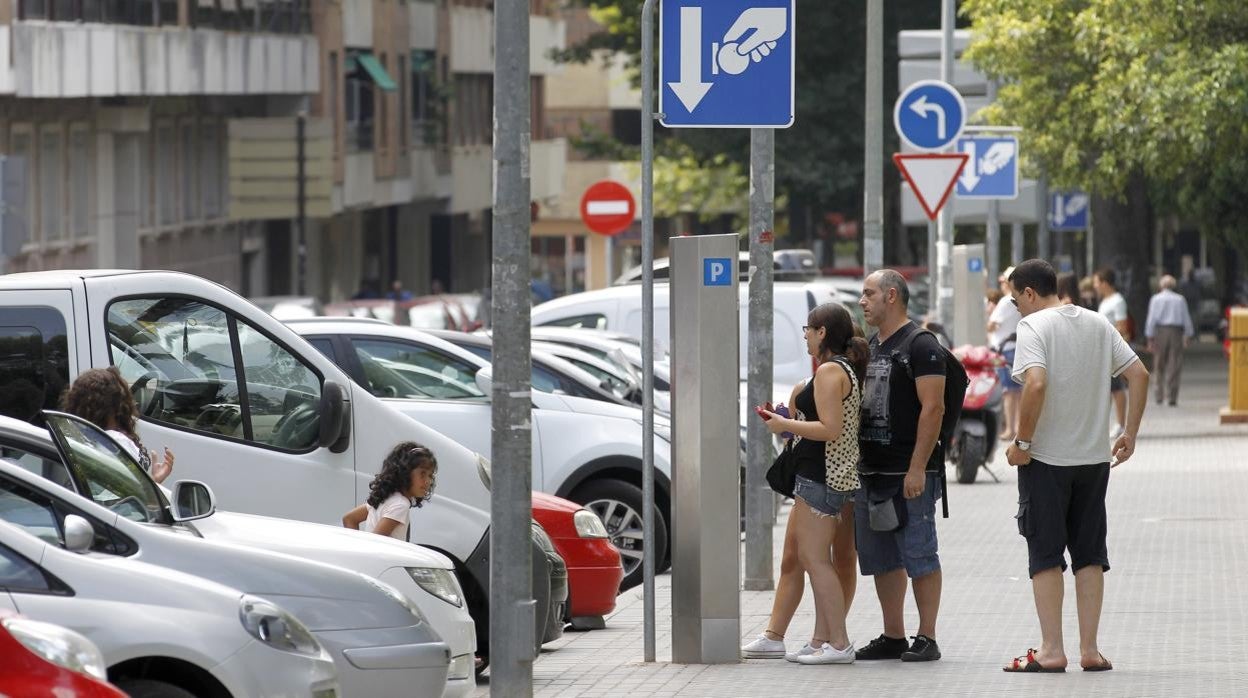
point(923, 108)
point(970, 177)
point(690, 89)
point(1059, 210)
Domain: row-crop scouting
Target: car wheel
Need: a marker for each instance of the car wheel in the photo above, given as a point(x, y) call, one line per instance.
point(146, 688)
point(618, 504)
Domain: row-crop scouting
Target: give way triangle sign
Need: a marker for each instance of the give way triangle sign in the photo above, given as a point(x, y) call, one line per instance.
point(932, 177)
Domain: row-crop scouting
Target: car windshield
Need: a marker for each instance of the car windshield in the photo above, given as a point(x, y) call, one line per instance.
point(112, 477)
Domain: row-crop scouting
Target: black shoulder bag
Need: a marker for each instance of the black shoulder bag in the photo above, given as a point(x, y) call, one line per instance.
point(782, 475)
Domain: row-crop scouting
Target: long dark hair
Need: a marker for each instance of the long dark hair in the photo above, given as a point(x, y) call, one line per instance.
point(396, 472)
point(842, 336)
point(102, 397)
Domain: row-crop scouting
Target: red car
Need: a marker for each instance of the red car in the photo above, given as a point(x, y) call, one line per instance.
point(41, 659)
point(594, 569)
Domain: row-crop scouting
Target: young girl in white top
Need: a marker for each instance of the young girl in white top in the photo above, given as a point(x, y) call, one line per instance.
point(102, 397)
point(406, 480)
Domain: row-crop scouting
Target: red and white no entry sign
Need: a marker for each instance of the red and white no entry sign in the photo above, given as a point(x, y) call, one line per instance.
point(608, 207)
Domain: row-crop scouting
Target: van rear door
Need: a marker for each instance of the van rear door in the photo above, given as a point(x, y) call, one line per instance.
point(39, 347)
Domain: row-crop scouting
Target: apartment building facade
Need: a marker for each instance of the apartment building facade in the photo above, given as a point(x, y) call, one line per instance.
point(172, 134)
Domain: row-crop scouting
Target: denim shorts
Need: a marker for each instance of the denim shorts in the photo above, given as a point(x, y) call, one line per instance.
point(818, 496)
point(913, 547)
point(1003, 373)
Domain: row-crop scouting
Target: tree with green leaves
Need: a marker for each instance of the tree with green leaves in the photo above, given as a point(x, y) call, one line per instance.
point(1144, 104)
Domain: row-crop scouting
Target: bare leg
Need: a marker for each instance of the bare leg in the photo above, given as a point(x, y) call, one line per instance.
point(1089, 593)
point(791, 585)
point(1048, 589)
point(1120, 406)
point(814, 549)
point(1010, 426)
point(927, 598)
point(845, 555)
point(890, 587)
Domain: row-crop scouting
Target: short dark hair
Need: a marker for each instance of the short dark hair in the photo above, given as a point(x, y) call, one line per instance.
point(1036, 274)
point(1068, 286)
point(1108, 276)
point(891, 279)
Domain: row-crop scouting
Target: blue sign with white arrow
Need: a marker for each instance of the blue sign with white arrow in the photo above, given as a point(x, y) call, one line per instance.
point(929, 115)
point(727, 63)
point(1068, 211)
point(991, 170)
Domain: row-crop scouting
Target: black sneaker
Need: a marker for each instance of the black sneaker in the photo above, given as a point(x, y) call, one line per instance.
point(882, 647)
point(924, 649)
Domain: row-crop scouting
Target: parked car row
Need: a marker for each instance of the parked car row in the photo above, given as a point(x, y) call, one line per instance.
point(272, 430)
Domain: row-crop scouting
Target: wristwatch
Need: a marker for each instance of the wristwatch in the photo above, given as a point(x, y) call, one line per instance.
point(1023, 446)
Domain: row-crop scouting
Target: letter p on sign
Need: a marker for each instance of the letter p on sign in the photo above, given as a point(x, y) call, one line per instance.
point(717, 271)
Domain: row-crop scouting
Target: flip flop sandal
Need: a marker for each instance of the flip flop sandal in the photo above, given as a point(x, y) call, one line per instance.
point(1105, 665)
point(1028, 665)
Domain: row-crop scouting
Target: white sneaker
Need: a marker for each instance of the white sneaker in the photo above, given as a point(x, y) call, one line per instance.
point(763, 648)
point(829, 655)
point(805, 650)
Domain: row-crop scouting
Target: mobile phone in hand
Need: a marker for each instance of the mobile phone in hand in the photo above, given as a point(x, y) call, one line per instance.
point(762, 412)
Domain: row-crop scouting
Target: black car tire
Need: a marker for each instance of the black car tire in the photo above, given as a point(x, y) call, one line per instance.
point(618, 503)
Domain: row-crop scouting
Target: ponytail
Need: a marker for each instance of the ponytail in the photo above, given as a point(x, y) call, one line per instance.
point(857, 353)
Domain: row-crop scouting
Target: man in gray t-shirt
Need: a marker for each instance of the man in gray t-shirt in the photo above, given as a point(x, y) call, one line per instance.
point(1063, 455)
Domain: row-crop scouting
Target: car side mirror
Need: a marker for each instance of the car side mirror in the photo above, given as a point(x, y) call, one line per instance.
point(192, 500)
point(485, 380)
point(79, 534)
point(335, 409)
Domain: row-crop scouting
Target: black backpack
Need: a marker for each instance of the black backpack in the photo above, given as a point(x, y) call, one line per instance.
point(955, 391)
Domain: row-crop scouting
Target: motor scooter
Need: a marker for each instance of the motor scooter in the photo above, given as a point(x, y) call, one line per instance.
point(974, 438)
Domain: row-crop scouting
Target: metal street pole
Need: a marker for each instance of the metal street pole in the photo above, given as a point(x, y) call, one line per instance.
point(994, 217)
point(873, 155)
point(944, 239)
point(759, 500)
point(512, 622)
point(647, 326)
point(1016, 244)
point(1090, 252)
point(1042, 230)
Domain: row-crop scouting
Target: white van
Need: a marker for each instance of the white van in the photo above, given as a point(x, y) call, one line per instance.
point(618, 309)
point(245, 404)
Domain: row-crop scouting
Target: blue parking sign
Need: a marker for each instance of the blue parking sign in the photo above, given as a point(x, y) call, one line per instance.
point(717, 271)
point(727, 63)
point(991, 170)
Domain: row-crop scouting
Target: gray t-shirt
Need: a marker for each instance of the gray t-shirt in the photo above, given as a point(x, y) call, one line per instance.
point(1079, 350)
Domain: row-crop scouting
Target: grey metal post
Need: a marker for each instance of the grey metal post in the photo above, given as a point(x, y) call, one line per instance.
point(512, 622)
point(1016, 244)
point(873, 145)
point(301, 218)
point(931, 265)
point(944, 222)
point(647, 327)
point(993, 233)
point(1042, 230)
point(1090, 252)
point(759, 501)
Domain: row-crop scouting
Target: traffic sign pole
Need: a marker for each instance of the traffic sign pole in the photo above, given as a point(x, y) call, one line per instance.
point(873, 162)
point(944, 224)
point(647, 328)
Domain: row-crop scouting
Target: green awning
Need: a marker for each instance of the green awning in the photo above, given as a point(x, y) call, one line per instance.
point(376, 71)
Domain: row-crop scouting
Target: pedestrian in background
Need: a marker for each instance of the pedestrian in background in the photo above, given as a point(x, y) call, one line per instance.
point(1062, 456)
point(406, 480)
point(1002, 325)
point(1067, 290)
point(1169, 330)
point(1087, 293)
point(1114, 307)
point(102, 397)
point(900, 465)
point(821, 525)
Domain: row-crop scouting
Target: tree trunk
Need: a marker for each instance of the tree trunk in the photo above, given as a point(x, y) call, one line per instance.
point(1123, 241)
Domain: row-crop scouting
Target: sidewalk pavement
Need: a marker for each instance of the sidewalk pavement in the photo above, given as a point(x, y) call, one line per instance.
point(1175, 620)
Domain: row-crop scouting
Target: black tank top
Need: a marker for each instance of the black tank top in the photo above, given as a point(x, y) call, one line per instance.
point(809, 453)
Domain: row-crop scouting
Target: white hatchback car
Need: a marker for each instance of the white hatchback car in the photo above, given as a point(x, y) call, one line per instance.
point(381, 643)
point(163, 633)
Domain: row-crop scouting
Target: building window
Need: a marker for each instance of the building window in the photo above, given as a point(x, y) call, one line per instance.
point(423, 123)
point(166, 189)
point(383, 132)
point(21, 147)
point(537, 107)
point(210, 157)
point(79, 179)
point(51, 193)
point(474, 109)
point(359, 103)
point(404, 86)
point(188, 161)
point(331, 108)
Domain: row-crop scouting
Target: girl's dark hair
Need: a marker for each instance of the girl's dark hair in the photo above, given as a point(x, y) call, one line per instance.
point(396, 472)
point(102, 397)
point(1068, 287)
point(842, 336)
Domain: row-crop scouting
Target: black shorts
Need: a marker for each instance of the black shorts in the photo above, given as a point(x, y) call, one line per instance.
point(1063, 508)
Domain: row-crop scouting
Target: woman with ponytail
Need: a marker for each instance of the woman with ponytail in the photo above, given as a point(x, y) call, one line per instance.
point(819, 539)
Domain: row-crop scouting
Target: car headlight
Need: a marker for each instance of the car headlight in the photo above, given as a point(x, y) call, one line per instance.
point(58, 645)
point(276, 628)
point(588, 525)
point(396, 597)
point(439, 582)
point(483, 470)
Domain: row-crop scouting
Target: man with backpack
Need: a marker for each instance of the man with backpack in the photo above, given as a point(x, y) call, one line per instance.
point(906, 403)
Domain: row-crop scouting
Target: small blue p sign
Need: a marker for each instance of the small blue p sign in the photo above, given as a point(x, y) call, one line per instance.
point(716, 271)
point(975, 264)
